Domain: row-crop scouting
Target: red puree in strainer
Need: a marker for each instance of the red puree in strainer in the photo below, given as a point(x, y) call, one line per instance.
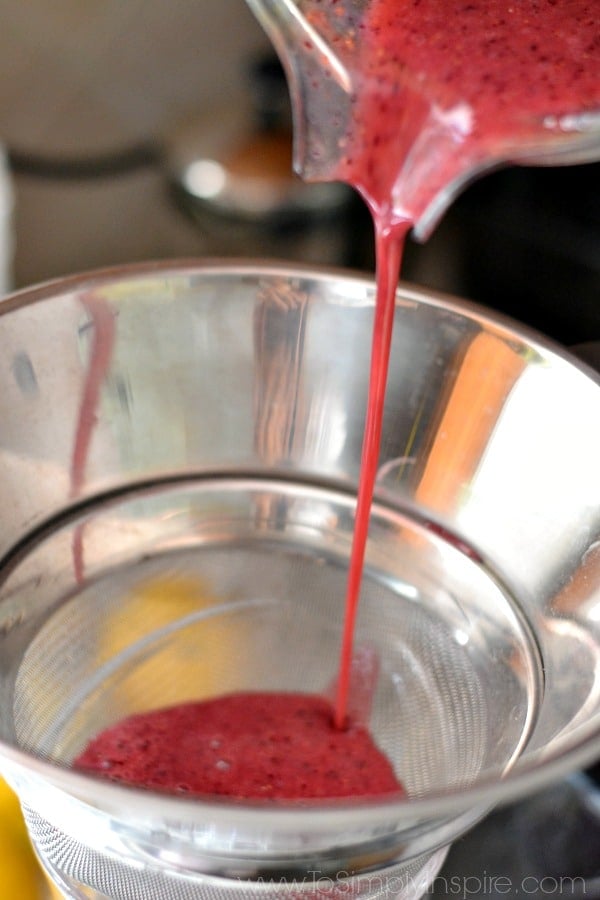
point(440, 84)
point(253, 746)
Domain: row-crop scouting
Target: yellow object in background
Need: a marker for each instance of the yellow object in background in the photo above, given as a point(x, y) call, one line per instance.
point(21, 876)
point(195, 663)
point(191, 663)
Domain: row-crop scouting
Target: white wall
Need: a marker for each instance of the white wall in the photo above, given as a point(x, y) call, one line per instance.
point(94, 74)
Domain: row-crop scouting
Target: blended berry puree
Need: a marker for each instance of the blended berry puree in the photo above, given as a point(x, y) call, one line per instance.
point(441, 86)
point(275, 746)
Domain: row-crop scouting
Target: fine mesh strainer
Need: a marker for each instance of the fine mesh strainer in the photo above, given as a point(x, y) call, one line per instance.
point(178, 461)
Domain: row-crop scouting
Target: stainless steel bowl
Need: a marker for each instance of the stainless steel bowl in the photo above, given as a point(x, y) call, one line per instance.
point(198, 427)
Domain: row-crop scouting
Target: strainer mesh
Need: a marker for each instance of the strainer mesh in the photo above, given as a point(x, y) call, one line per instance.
point(118, 879)
point(106, 654)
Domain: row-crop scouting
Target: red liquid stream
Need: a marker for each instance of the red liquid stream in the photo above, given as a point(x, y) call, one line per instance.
point(390, 242)
point(442, 87)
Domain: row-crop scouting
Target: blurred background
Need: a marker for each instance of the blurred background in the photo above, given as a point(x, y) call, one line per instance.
point(160, 128)
point(153, 129)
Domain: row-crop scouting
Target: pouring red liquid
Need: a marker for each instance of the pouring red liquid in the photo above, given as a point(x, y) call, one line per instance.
point(442, 88)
